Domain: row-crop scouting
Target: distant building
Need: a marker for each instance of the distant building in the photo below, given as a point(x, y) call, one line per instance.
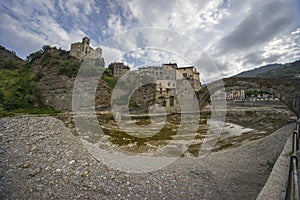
point(236, 94)
point(82, 50)
point(119, 69)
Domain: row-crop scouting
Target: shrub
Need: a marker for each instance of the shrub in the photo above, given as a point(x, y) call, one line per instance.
point(110, 80)
point(8, 64)
point(22, 94)
point(69, 68)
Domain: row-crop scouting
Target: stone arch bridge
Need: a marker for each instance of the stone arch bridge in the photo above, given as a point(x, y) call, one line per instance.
point(287, 90)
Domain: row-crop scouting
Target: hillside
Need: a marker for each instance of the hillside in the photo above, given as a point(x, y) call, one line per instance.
point(18, 91)
point(43, 82)
point(288, 70)
point(55, 71)
point(8, 59)
point(257, 71)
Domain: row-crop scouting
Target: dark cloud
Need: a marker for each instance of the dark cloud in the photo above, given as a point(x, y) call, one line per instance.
point(258, 27)
point(256, 58)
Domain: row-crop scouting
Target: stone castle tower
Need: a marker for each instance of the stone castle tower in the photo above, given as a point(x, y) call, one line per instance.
point(82, 50)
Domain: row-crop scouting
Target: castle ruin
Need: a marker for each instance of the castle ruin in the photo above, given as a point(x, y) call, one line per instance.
point(83, 50)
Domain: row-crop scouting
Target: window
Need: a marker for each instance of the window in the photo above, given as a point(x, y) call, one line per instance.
point(171, 101)
point(164, 103)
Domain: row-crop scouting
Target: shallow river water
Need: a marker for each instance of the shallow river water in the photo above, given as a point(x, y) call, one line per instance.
point(241, 125)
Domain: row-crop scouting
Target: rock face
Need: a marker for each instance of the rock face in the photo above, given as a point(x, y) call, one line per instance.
point(55, 73)
point(142, 98)
point(57, 90)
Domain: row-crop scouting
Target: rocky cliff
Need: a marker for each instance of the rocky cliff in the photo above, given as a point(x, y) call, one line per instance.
point(55, 72)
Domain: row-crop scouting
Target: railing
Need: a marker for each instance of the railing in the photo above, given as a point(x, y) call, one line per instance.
point(292, 192)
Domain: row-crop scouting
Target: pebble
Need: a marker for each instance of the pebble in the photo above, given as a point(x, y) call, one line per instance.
point(35, 172)
point(72, 162)
point(84, 174)
point(33, 148)
point(64, 170)
point(26, 165)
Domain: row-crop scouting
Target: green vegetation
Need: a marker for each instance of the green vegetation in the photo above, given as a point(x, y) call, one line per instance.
point(8, 63)
point(271, 163)
point(68, 68)
point(19, 92)
point(110, 80)
point(108, 77)
point(22, 94)
point(253, 92)
point(132, 104)
point(19, 83)
point(289, 71)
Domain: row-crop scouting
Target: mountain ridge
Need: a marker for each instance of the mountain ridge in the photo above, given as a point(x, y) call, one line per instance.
point(276, 70)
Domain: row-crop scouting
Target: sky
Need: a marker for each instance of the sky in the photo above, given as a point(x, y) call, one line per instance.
point(220, 37)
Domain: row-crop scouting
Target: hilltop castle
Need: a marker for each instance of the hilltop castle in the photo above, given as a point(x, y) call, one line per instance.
point(82, 50)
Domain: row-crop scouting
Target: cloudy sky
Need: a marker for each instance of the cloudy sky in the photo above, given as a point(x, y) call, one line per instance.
point(235, 35)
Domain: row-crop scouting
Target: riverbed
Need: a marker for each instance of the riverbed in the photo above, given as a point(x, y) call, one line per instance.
point(241, 125)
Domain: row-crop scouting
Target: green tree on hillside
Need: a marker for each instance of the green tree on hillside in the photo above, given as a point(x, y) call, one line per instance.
point(23, 94)
point(1, 98)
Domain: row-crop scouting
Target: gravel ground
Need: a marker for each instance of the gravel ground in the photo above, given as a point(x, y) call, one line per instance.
point(41, 159)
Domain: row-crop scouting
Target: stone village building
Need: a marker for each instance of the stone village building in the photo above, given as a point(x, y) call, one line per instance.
point(174, 85)
point(119, 69)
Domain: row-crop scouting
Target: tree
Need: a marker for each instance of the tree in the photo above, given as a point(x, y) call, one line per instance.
point(38, 54)
point(45, 48)
point(8, 64)
point(23, 94)
point(35, 55)
point(1, 98)
point(111, 67)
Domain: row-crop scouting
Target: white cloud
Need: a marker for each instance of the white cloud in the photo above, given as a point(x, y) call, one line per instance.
point(249, 33)
point(32, 29)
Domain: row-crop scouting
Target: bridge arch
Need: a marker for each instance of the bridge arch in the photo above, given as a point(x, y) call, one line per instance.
point(287, 90)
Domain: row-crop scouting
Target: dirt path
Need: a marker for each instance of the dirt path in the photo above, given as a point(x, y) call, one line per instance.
point(41, 159)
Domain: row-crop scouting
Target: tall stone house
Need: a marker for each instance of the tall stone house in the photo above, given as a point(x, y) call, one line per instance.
point(119, 69)
point(83, 50)
point(175, 86)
